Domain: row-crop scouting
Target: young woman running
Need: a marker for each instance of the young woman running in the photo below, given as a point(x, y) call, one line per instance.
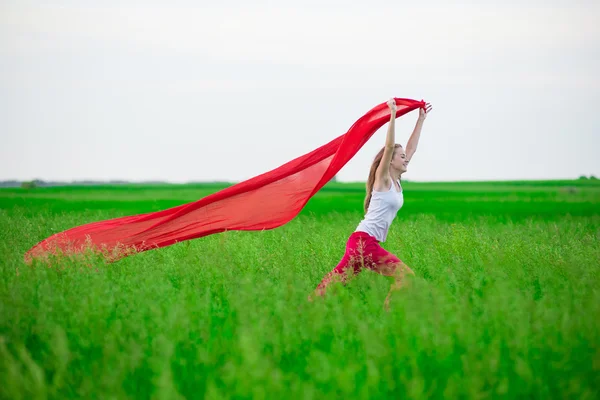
point(384, 199)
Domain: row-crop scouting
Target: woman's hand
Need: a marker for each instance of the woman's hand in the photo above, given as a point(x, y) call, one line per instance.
point(424, 111)
point(392, 105)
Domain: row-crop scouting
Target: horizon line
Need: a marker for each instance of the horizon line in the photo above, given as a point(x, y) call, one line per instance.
point(92, 182)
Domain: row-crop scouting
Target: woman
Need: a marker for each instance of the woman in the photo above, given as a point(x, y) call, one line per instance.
point(384, 199)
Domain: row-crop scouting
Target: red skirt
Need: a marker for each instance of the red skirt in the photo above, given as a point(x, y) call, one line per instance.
point(364, 251)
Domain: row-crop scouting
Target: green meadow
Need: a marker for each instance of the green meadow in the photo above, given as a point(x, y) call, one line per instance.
point(505, 302)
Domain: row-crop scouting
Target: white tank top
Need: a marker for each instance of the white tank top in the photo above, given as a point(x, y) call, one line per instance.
point(381, 212)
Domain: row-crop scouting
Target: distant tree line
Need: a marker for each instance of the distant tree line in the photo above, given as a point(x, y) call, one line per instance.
point(41, 183)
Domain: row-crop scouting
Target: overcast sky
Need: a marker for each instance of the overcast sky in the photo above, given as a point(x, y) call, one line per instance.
point(190, 91)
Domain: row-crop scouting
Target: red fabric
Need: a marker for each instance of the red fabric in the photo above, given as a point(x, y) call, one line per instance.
point(266, 201)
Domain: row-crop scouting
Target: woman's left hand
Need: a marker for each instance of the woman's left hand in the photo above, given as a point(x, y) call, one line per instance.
point(424, 111)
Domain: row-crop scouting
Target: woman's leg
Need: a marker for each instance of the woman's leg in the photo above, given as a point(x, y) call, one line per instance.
point(398, 271)
point(353, 258)
point(338, 274)
point(387, 264)
point(364, 251)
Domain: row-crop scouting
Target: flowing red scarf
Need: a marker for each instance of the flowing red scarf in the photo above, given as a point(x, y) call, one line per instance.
point(266, 201)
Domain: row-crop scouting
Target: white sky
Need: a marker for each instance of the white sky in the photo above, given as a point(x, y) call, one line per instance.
point(189, 91)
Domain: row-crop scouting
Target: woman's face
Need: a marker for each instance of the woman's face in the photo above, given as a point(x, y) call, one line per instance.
point(399, 160)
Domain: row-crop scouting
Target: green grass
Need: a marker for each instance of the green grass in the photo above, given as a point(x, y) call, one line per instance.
point(504, 304)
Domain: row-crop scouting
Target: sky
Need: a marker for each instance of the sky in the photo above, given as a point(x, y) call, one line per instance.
point(184, 91)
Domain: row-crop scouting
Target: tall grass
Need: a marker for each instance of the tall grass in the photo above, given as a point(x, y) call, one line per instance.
point(502, 306)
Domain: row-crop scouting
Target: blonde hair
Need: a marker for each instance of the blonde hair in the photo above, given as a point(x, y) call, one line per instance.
point(371, 180)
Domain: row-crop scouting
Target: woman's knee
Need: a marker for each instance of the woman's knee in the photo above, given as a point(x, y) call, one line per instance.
point(396, 269)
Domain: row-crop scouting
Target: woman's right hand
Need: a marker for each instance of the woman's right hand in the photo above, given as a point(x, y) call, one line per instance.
point(392, 105)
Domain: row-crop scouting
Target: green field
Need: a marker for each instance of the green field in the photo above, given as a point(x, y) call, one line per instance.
point(505, 302)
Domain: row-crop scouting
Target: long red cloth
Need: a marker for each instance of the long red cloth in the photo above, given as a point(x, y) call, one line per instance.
point(266, 201)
